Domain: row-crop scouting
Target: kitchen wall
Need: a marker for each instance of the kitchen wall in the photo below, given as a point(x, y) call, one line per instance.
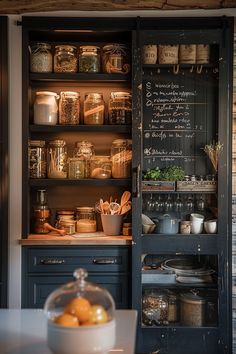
point(15, 117)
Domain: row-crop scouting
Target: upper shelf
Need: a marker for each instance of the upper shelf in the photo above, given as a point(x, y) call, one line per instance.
point(79, 182)
point(71, 77)
point(80, 128)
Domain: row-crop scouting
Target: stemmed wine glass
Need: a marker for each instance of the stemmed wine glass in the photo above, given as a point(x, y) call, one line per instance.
point(178, 204)
point(168, 204)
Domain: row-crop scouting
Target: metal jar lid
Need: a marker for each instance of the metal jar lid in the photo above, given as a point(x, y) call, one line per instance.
point(193, 298)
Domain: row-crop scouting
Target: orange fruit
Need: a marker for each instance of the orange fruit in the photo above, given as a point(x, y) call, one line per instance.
point(79, 307)
point(98, 314)
point(67, 320)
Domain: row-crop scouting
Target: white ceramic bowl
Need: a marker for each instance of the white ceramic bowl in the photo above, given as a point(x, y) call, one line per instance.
point(148, 228)
point(196, 217)
point(97, 339)
point(210, 226)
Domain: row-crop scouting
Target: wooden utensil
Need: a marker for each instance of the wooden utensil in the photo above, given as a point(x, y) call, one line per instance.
point(126, 207)
point(106, 207)
point(124, 199)
point(51, 228)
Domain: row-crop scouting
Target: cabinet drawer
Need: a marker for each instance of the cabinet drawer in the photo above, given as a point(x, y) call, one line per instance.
point(66, 260)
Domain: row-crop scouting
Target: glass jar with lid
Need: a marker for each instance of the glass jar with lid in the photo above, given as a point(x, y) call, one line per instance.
point(45, 108)
point(65, 59)
point(94, 108)
point(76, 167)
point(37, 159)
point(86, 219)
point(64, 215)
point(120, 108)
point(41, 58)
point(154, 307)
point(84, 150)
point(121, 157)
point(101, 167)
point(69, 108)
point(89, 59)
point(116, 59)
point(57, 159)
point(192, 309)
point(41, 213)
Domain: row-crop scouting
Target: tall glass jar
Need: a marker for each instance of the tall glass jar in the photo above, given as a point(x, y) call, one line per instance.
point(69, 108)
point(116, 59)
point(57, 159)
point(120, 108)
point(94, 109)
point(85, 150)
point(65, 59)
point(37, 159)
point(86, 219)
point(41, 213)
point(41, 58)
point(121, 157)
point(155, 307)
point(45, 108)
point(76, 167)
point(89, 59)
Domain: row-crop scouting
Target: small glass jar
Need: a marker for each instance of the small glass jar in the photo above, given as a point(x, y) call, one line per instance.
point(100, 167)
point(155, 308)
point(65, 59)
point(84, 150)
point(57, 159)
point(69, 108)
point(76, 167)
point(41, 213)
point(68, 226)
point(86, 219)
point(116, 59)
point(121, 157)
point(45, 108)
point(37, 159)
point(94, 107)
point(120, 108)
point(41, 58)
point(173, 308)
point(89, 59)
point(64, 215)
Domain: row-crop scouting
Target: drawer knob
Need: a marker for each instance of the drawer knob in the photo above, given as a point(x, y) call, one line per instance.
point(104, 261)
point(52, 261)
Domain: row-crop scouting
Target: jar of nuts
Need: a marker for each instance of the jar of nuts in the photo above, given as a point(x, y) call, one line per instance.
point(155, 308)
point(69, 108)
point(65, 59)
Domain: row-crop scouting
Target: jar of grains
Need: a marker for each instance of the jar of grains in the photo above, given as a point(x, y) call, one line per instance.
point(89, 59)
point(94, 109)
point(86, 219)
point(57, 159)
point(41, 58)
point(76, 167)
point(120, 108)
point(121, 157)
point(37, 159)
point(65, 59)
point(155, 308)
point(115, 59)
point(69, 108)
point(192, 309)
point(100, 167)
point(84, 150)
point(45, 108)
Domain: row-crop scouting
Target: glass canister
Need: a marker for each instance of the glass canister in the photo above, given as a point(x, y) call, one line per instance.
point(86, 219)
point(41, 213)
point(69, 108)
point(192, 309)
point(41, 58)
point(89, 59)
point(45, 108)
point(120, 108)
point(94, 107)
point(65, 59)
point(155, 308)
point(84, 150)
point(76, 167)
point(100, 167)
point(37, 159)
point(121, 157)
point(57, 159)
point(64, 215)
point(173, 308)
point(116, 59)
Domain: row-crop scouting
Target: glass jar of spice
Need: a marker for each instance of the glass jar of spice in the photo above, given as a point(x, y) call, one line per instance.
point(121, 157)
point(120, 108)
point(86, 219)
point(101, 167)
point(41, 58)
point(94, 109)
point(115, 59)
point(89, 59)
point(69, 108)
point(84, 150)
point(57, 159)
point(65, 59)
point(37, 159)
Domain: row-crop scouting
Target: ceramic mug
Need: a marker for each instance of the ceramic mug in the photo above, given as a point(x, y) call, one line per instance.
point(196, 226)
point(196, 217)
point(210, 226)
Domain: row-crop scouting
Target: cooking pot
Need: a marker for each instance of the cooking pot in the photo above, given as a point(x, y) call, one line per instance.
point(167, 224)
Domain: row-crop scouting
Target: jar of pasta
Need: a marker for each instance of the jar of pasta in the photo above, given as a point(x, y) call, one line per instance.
point(86, 219)
point(41, 58)
point(94, 108)
point(120, 108)
point(89, 59)
point(65, 59)
point(37, 159)
point(84, 150)
point(116, 59)
point(121, 157)
point(57, 159)
point(69, 108)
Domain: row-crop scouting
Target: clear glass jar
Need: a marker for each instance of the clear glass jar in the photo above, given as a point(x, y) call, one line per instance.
point(76, 167)
point(68, 226)
point(85, 150)
point(101, 167)
point(116, 59)
point(37, 159)
point(86, 219)
point(89, 59)
point(120, 108)
point(69, 108)
point(121, 157)
point(57, 159)
point(41, 213)
point(65, 59)
point(64, 215)
point(41, 58)
point(45, 108)
point(94, 107)
point(155, 308)
point(173, 308)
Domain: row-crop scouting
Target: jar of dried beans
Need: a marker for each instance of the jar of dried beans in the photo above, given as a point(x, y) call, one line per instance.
point(57, 159)
point(116, 59)
point(37, 159)
point(89, 59)
point(120, 108)
point(94, 109)
point(121, 157)
point(65, 59)
point(69, 108)
point(41, 58)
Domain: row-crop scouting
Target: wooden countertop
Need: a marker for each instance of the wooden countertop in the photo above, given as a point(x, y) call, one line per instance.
point(53, 239)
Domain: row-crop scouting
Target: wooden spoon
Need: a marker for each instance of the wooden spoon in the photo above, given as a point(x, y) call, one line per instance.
point(106, 207)
point(124, 199)
point(51, 228)
point(125, 208)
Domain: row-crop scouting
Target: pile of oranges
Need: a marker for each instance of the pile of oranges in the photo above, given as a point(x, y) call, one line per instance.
point(80, 312)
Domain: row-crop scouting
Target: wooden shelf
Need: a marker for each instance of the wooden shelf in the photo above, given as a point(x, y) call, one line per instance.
point(80, 128)
point(47, 182)
point(69, 77)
